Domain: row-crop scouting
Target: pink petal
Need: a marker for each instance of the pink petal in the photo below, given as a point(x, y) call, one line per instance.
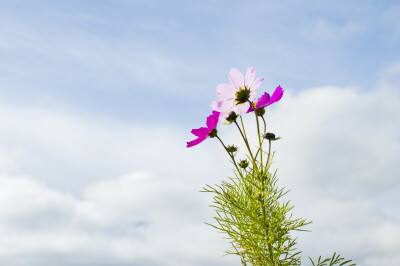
point(222, 116)
point(200, 132)
point(263, 100)
point(256, 84)
point(211, 123)
point(277, 95)
point(241, 109)
point(250, 75)
point(222, 105)
point(253, 96)
point(236, 78)
point(216, 116)
point(195, 142)
point(226, 91)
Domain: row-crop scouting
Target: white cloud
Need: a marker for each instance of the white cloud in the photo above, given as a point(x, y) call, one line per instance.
point(70, 151)
point(339, 154)
point(130, 219)
point(70, 206)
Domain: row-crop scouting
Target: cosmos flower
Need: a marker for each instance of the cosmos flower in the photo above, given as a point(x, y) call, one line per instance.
point(236, 95)
point(204, 132)
point(266, 100)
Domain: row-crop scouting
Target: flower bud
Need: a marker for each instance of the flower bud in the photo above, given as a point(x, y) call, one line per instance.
point(260, 111)
point(231, 149)
point(231, 116)
point(243, 164)
point(213, 133)
point(271, 136)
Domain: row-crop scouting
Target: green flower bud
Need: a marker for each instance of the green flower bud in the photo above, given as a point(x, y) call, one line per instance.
point(213, 133)
point(243, 164)
point(231, 149)
point(231, 116)
point(260, 111)
point(271, 136)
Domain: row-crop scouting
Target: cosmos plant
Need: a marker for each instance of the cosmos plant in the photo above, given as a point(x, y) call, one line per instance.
point(249, 206)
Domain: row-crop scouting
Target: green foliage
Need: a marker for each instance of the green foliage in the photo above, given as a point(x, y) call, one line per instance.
point(258, 224)
point(335, 260)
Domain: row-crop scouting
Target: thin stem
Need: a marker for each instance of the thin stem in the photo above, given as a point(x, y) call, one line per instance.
point(265, 125)
point(241, 255)
point(243, 261)
point(244, 131)
point(246, 142)
point(270, 248)
point(259, 139)
point(230, 155)
point(269, 152)
point(265, 131)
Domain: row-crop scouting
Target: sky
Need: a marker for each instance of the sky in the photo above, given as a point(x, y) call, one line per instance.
point(97, 100)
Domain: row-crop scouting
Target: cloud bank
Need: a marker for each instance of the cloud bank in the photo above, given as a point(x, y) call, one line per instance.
point(339, 154)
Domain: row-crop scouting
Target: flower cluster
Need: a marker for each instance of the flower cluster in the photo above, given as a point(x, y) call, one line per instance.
point(249, 206)
point(235, 99)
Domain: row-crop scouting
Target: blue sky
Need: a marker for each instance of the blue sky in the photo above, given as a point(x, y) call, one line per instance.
point(97, 100)
point(171, 55)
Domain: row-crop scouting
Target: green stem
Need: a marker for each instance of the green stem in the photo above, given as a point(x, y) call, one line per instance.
point(269, 152)
point(232, 157)
point(244, 131)
point(247, 143)
point(259, 140)
point(265, 125)
point(270, 248)
point(265, 131)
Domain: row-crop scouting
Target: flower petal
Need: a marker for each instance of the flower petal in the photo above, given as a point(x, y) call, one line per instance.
point(222, 116)
point(216, 116)
point(277, 95)
point(195, 142)
point(226, 91)
point(222, 105)
point(200, 132)
point(263, 100)
point(256, 84)
point(241, 109)
point(211, 122)
point(249, 77)
point(236, 78)
point(253, 96)
point(251, 109)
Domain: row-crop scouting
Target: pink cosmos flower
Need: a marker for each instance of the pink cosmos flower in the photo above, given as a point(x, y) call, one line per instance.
point(235, 96)
point(203, 132)
point(266, 100)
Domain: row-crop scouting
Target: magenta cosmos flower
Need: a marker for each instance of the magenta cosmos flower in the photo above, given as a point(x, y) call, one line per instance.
point(266, 100)
point(235, 96)
point(203, 132)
